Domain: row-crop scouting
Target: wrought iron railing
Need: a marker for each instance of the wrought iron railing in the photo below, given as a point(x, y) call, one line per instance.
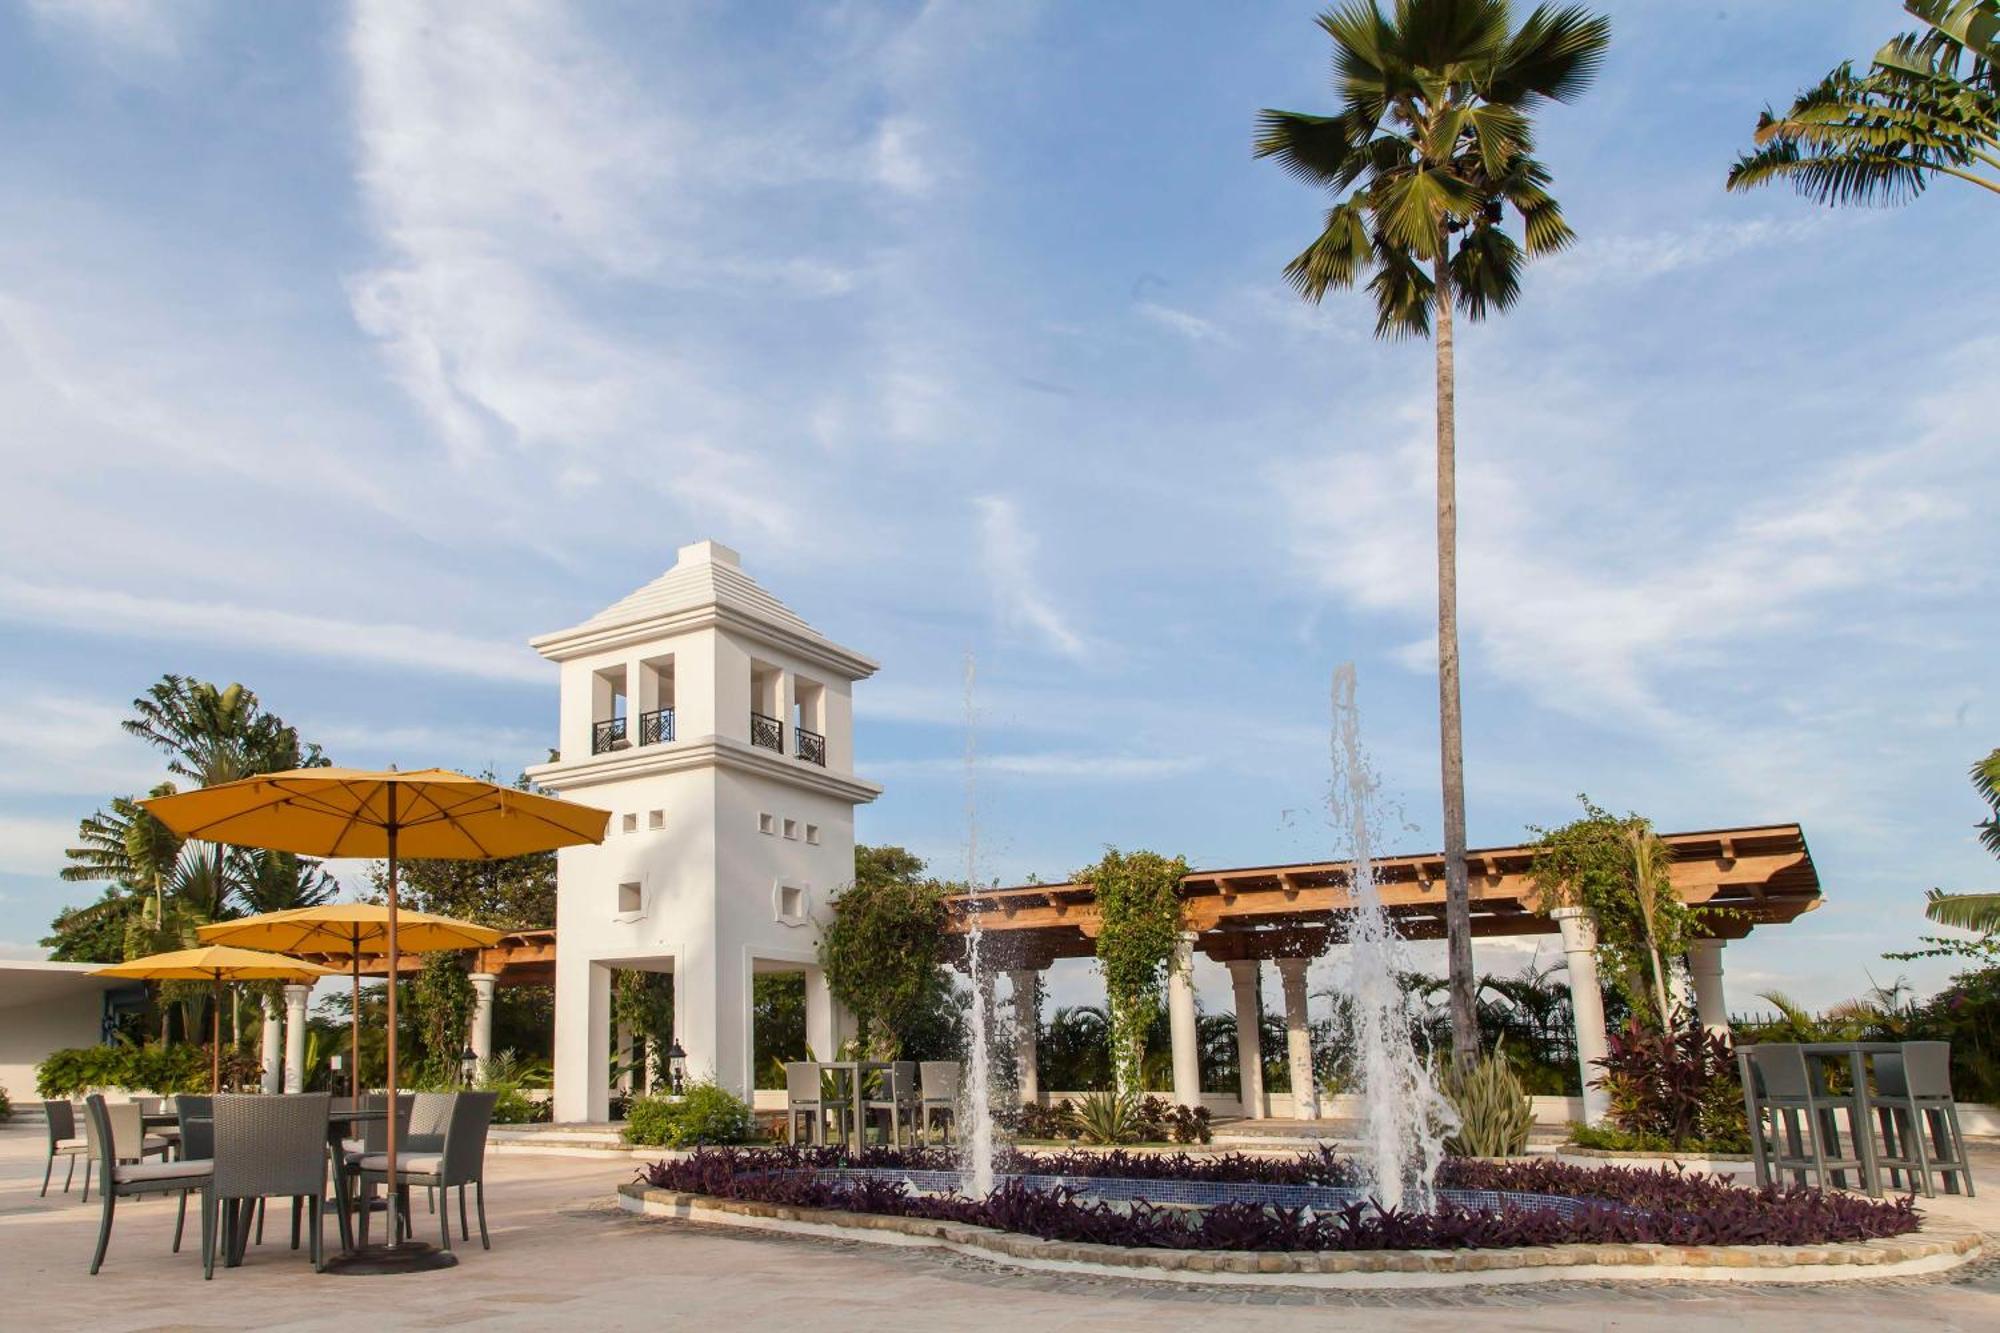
point(767, 732)
point(607, 735)
point(656, 727)
point(809, 746)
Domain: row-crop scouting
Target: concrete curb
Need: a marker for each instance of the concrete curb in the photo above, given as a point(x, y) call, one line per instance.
point(1938, 1250)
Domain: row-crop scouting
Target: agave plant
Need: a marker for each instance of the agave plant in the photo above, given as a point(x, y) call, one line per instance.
point(1494, 1115)
point(1108, 1117)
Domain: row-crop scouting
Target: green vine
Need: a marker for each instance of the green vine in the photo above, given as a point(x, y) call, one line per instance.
point(1139, 911)
point(441, 994)
point(1621, 871)
point(883, 948)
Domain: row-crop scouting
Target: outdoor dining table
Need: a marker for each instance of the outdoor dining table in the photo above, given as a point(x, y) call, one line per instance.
point(857, 1072)
point(337, 1121)
point(1856, 1056)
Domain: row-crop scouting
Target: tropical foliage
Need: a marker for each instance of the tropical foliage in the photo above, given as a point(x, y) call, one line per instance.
point(1621, 871)
point(1927, 105)
point(703, 1113)
point(1975, 911)
point(1432, 149)
point(159, 1069)
point(1620, 1206)
point(883, 949)
point(1679, 1088)
point(1139, 911)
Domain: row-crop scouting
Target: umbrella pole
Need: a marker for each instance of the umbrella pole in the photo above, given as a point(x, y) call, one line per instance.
point(354, 1040)
point(389, 1176)
point(215, 1035)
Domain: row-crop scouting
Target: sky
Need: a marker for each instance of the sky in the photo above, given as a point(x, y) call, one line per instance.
point(344, 347)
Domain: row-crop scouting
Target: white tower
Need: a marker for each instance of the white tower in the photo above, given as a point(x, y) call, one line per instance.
point(717, 728)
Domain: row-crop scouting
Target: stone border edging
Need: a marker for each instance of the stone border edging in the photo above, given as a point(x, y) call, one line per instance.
point(1945, 1248)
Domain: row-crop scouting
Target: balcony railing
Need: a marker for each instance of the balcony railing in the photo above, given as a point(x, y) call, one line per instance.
point(607, 735)
point(767, 732)
point(656, 727)
point(809, 746)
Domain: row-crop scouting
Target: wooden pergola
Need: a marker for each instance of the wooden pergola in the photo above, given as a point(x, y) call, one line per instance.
point(520, 958)
point(1289, 914)
point(1763, 874)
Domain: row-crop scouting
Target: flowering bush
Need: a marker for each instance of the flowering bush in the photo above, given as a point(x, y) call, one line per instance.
point(1635, 1207)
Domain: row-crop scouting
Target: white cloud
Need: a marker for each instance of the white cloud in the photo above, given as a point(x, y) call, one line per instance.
point(56, 744)
point(30, 846)
point(104, 610)
point(1057, 766)
point(1008, 552)
point(1190, 326)
point(1618, 260)
point(899, 160)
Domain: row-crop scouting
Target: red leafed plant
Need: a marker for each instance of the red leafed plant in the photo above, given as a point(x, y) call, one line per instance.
point(1679, 1087)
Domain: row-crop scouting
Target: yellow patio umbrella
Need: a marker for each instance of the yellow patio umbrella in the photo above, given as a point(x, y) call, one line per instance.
point(430, 813)
point(349, 930)
point(215, 964)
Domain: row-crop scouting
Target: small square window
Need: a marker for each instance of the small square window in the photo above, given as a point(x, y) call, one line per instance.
point(812, 834)
point(628, 898)
point(792, 901)
point(792, 829)
point(631, 824)
point(767, 823)
point(656, 819)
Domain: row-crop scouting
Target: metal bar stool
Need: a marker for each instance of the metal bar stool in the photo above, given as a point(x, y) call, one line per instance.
point(1805, 1134)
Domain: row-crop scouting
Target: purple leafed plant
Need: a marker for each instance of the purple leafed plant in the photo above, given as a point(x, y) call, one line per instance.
point(1637, 1207)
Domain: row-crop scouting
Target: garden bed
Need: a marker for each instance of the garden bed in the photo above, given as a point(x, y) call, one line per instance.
point(1603, 1205)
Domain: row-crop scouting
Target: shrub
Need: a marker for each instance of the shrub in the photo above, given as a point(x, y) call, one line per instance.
point(1493, 1113)
point(1638, 1207)
point(1680, 1086)
point(1609, 1138)
point(704, 1113)
point(6, 1107)
point(156, 1069)
point(1035, 1121)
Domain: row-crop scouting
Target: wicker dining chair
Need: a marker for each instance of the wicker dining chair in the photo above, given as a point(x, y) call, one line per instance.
point(460, 1161)
point(898, 1095)
point(940, 1093)
point(124, 1179)
point(804, 1096)
point(64, 1141)
point(129, 1142)
point(267, 1147)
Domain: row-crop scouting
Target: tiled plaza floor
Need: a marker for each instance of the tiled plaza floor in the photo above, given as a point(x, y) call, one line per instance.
point(564, 1257)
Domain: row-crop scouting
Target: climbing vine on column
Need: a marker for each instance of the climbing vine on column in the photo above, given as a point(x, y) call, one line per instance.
point(1139, 908)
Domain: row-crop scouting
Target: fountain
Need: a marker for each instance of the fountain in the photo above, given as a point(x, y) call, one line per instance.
point(976, 1102)
point(1405, 1116)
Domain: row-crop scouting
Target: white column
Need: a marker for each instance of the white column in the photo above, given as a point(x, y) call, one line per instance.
point(272, 1052)
point(583, 1040)
point(481, 1039)
point(1027, 1017)
point(295, 1037)
point(1247, 976)
point(1705, 966)
point(1181, 1022)
point(822, 1018)
point(624, 1058)
point(1579, 936)
point(1298, 1038)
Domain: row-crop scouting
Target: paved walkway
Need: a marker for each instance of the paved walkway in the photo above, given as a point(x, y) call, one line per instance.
point(563, 1256)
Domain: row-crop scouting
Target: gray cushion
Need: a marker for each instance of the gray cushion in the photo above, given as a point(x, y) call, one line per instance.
point(164, 1172)
point(415, 1164)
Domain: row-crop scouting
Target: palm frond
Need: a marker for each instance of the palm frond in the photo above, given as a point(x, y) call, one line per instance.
point(1337, 255)
point(1555, 54)
point(1986, 781)
point(1967, 911)
point(1320, 150)
point(1486, 271)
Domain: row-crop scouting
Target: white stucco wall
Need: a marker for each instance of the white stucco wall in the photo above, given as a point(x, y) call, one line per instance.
point(44, 1007)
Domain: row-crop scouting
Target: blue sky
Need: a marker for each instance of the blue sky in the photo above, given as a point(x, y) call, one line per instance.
point(342, 348)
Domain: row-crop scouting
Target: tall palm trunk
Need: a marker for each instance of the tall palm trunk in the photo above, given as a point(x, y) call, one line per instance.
point(1451, 739)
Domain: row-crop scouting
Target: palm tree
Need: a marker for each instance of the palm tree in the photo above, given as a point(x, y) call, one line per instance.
point(1928, 105)
point(1975, 911)
point(1432, 146)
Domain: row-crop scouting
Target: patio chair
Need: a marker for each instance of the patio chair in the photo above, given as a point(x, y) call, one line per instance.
point(120, 1178)
point(805, 1095)
point(460, 1161)
point(1913, 1093)
point(197, 1143)
point(131, 1142)
point(430, 1116)
point(897, 1094)
point(266, 1147)
point(940, 1093)
point(1805, 1133)
point(64, 1141)
point(374, 1138)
